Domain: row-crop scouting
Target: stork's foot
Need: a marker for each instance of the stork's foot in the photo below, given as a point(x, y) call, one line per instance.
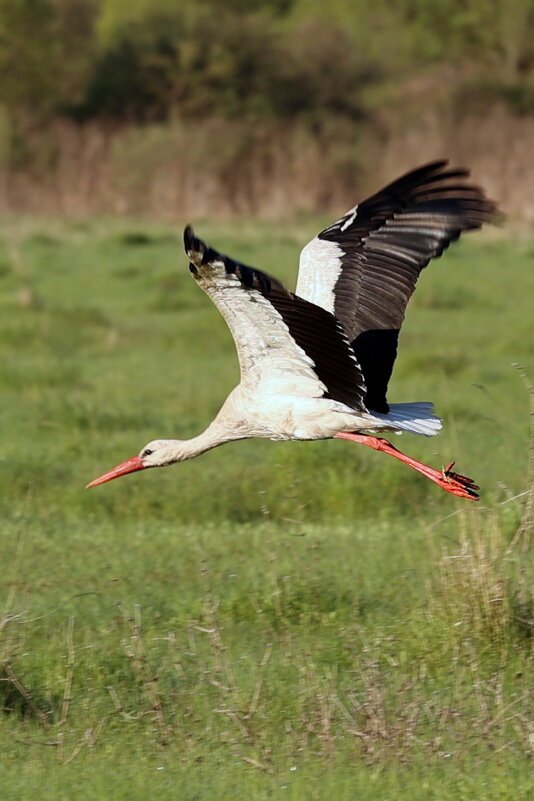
point(449, 481)
point(457, 484)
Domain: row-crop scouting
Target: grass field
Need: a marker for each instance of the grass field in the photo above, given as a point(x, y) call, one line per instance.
point(272, 620)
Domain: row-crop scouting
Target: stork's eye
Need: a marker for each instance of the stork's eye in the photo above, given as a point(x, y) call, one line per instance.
point(146, 452)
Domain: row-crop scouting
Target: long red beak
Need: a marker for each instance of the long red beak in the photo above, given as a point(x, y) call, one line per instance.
point(129, 466)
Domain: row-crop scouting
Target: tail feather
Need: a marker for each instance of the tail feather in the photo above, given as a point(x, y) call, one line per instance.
point(416, 418)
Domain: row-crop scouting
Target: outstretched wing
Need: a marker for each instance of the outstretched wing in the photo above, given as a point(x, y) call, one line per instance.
point(364, 267)
point(287, 343)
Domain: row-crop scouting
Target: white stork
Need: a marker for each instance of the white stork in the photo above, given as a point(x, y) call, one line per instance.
point(316, 364)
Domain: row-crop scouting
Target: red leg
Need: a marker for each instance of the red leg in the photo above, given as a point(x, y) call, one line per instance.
point(446, 479)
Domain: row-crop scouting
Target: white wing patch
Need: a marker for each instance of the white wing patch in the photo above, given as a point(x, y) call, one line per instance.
point(268, 354)
point(320, 267)
point(348, 219)
point(285, 344)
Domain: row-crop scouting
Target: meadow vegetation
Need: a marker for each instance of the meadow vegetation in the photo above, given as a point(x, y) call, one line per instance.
point(271, 620)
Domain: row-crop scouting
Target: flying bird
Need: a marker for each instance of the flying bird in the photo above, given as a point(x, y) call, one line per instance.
point(315, 364)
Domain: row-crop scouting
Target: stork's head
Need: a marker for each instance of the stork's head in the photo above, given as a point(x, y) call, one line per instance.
point(158, 453)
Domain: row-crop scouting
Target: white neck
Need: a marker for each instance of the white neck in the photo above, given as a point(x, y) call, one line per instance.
point(214, 435)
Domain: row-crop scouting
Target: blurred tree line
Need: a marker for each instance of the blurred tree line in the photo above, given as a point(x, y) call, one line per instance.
point(300, 102)
point(157, 60)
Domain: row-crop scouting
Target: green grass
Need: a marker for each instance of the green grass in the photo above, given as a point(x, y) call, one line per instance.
point(294, 620)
